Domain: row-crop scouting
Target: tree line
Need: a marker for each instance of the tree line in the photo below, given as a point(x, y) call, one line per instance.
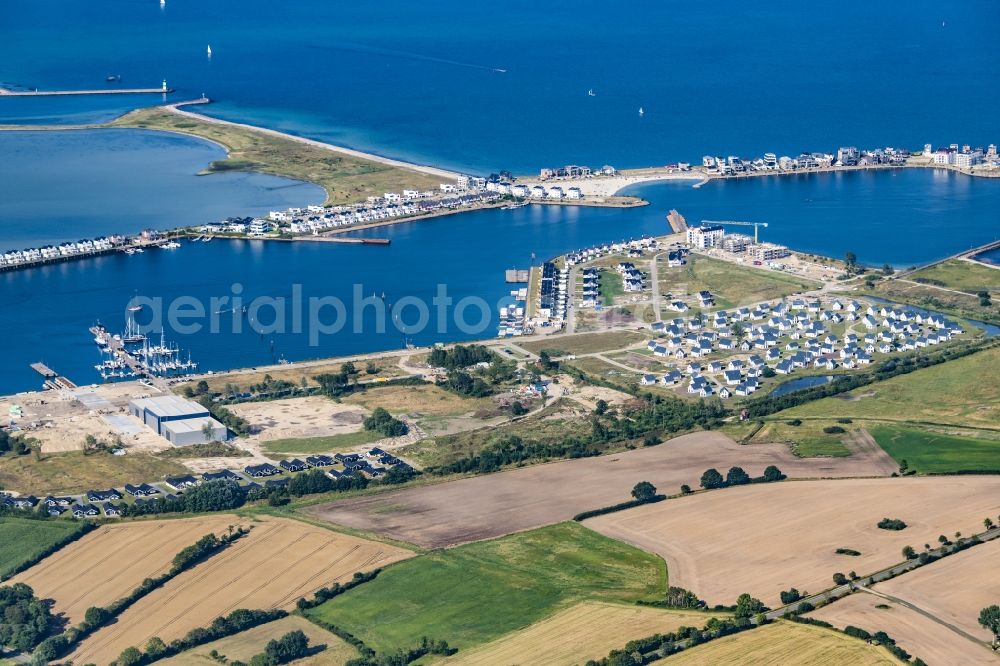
point(96, 617)
point(737, 476)
point(656, 415)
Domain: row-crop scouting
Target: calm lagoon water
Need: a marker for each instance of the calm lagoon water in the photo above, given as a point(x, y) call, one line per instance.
point(61, 186)
point(801, 383)
point(48, 310)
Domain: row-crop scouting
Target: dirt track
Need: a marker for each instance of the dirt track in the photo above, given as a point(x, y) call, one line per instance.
point(278, 562)
point(489, 506)
point(918, 635)
point(763, 539)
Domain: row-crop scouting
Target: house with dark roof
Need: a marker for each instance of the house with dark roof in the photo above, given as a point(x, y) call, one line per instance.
point(182, 482)
point(319, 461)
point(85, 511)
point(224, 475)
point(275, 483)
point(293, 465)
point(103, 495)
point(111, 510)
point(142, 490)
point(21, 502)
point(260, 471)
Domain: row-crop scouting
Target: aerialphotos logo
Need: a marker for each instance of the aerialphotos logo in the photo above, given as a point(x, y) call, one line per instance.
point(317, 316)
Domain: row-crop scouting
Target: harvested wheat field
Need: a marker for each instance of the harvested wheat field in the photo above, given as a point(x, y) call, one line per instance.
point(787, 644)
point(492, 505)
point(955, 588)
point(917, 634)
point(245, 645)
point(311, 416)
point(588, 630)
point(278, 562)
point(111, 561)
point(763, 539)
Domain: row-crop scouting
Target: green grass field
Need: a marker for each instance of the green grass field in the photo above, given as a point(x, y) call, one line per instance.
point(551, 423)
point(586, 343)
point(22, 538)
point(932, 453)
point(471, 594)
point(807, 439)
point(346, 178)
point(955, 303)
point(611, 286)
point(73, 472)
point(964, 392)
point(733, 285)
point(967, 276)
point(331, 444)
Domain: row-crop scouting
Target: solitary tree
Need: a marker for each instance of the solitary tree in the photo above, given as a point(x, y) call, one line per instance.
point(737, 477)
point(772, 473)
point(712, 479)
point(989, 618)
point(850, 261)
point(644, 491)
point(909, 553)
point(600, 407)
point(747, 606)
point(988, 523)
point(129, 657)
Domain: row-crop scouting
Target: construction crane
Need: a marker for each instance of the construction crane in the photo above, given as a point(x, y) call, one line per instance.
point(755, 225)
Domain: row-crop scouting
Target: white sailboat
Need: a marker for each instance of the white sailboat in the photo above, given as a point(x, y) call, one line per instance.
point(641, 112)
point(591, 93)
point(209, 50)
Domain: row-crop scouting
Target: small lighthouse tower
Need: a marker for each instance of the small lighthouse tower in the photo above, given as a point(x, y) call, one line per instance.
point(164, 85)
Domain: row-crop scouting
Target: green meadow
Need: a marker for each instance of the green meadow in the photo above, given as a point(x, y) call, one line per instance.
point(518, 579)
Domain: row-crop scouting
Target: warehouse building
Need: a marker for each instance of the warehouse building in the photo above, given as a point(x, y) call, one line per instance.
point(181, 422)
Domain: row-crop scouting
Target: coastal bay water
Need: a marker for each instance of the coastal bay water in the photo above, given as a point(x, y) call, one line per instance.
point(479, 87)
point(990, 256)
point(63, 186)
point(903, 217)
point(476, 88)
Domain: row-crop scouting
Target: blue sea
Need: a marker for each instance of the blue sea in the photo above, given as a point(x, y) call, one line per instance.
point(474, 87)
point(481, 86)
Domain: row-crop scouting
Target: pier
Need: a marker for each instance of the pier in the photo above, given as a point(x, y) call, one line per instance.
point(53, 380)
point(517, 275)
point(6, 92)
point(677, 222)
point(336, 239)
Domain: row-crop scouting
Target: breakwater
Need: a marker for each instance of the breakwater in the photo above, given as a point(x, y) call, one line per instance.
point(164, 90)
